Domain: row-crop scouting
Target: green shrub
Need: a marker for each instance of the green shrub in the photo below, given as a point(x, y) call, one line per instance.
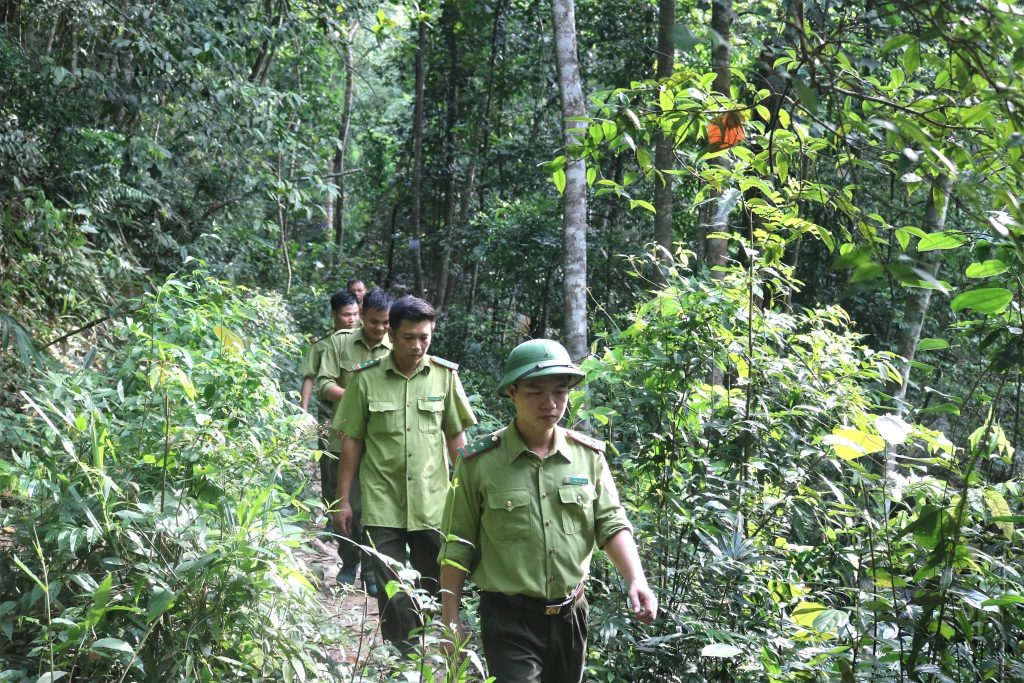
point(751, 447)
point(151, 505)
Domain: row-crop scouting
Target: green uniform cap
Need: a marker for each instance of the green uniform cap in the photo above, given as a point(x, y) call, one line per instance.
point(538, 358)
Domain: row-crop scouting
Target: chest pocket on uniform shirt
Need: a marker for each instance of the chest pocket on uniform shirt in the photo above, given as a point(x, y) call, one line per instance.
point(507, 516)
point(577, 507)
point(430, 411)
point(383, 417)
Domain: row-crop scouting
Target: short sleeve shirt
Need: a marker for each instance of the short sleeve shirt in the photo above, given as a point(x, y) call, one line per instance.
point(403, 423)
point(525, 525)
point(311, 364)
point(342, 355)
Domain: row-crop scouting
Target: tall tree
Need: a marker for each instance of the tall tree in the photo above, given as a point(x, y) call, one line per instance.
point(664, 152)
point(712, 218)
point(342, 147)
point(916, 307)
point(449, 19)
point(417, 152)
point(574, 199)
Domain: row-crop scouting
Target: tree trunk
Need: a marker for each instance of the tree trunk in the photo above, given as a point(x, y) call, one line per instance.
point(712, 219)
point(664, 150)
point(449, 19)
point(339, 153)
point(916, 308)
point(574, 200)
point(417, 172)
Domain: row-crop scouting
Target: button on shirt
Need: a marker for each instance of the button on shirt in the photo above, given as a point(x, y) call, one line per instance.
point(342, 354)
point(527, 525)
point(403, 423)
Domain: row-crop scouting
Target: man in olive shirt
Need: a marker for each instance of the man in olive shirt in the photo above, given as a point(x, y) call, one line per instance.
point(341, 357)
point(345, 317)
point(401, 415)
point(528, 505)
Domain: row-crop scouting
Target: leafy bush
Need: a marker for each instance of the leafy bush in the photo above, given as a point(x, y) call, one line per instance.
point(794, 529)
point(150, 507)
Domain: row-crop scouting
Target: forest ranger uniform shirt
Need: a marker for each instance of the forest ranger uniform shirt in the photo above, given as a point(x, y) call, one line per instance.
point(311, 364)
point(403, 423)
point(527, 525)
point(341, 356)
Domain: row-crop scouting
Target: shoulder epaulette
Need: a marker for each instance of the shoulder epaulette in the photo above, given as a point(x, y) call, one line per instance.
point(342, 332)
point(584, 440)
point(445, 363)
point(479, 446)
point(368, 364)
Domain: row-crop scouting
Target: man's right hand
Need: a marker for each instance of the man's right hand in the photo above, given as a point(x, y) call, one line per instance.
point(454, 636)
point(343, 520)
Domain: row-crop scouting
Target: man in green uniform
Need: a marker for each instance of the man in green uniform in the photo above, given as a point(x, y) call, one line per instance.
point(358, 288)
point(340, 358)
point(528, 505)
point(345, 317)
point(401, 415)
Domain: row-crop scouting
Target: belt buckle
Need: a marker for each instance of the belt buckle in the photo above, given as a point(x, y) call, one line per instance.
point(552, 610)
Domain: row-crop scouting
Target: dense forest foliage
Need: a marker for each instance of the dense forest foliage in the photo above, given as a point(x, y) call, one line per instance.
point(784, 239)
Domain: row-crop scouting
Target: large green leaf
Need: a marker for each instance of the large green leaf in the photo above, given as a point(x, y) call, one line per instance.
point(986, 300)
point(941, 240)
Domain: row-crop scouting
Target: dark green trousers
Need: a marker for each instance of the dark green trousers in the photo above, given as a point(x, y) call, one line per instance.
point(401, 613)
point(526, 646)
point(348, 550)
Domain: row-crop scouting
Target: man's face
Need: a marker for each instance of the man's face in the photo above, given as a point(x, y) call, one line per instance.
point(375, 325)
point(346, 317)
point(358, 289)
point(411, 341)
point(540, 402)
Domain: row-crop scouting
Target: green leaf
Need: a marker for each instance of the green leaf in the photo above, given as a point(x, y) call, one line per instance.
point(896, 78)
point(987, 300)
point(596, 133)
point(113, 644)
point(808, 95)
point(665, 100)
point(998, 506)
point(941, 240)
point(986, 268)
point(159, 602)
point(912, 57)
point(932, 344)
point(559, 179)
point(1004, 600)
point(720, 650)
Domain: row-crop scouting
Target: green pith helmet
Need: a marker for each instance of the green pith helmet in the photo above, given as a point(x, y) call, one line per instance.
point(538, 358)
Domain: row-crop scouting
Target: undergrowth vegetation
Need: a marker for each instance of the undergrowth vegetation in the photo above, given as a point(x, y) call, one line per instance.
point(795, 526)
point(151, 503)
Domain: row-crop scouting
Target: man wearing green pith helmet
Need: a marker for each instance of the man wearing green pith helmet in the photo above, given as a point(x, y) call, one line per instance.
point(528, 505)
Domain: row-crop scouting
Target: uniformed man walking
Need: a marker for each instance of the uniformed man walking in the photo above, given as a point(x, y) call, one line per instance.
point(345, 317)
point(342, 355)
point(528, 504)
point(401, 416)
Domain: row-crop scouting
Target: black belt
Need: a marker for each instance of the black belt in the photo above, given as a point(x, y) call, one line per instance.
point(549, 608)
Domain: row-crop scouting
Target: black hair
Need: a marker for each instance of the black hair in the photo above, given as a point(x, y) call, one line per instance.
point(410, 308)
point(379, 300)
point(343, 298)
point(348, 285)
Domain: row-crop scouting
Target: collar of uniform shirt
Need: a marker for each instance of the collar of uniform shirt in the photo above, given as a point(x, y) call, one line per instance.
point(422, 366)
point(516, 445)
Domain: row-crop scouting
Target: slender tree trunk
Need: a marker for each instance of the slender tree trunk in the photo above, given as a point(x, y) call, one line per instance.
point(574, 201)
point(916, 308)
point(342, 148)
point(664, 150)
point(417, 172)
point(450, 17)
point(712, 219)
